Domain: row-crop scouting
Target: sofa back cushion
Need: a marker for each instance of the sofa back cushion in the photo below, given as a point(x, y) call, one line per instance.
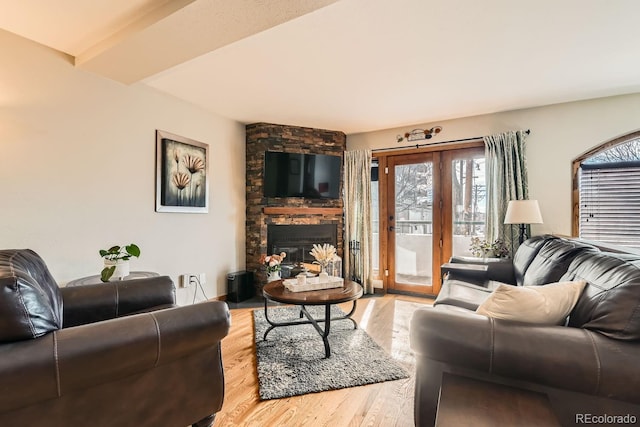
point(30, 300)
point(552, 261)
point(526, 253)
point(610, 303)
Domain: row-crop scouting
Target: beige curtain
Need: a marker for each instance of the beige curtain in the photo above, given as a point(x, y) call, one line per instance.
point(357, 217)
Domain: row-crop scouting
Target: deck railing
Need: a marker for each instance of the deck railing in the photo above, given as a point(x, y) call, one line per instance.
point(417, 226)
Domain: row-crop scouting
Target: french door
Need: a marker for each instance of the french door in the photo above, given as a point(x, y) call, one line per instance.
point(431, 204)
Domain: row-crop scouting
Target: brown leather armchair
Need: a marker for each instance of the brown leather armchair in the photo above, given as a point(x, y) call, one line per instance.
point(115, 354)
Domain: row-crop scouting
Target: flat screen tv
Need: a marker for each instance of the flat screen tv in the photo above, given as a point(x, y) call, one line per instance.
point(313, 176)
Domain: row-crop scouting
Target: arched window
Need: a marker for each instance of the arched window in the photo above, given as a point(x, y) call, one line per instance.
point(606, 205)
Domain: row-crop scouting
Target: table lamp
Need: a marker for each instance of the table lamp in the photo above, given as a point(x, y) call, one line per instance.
point(523, 212)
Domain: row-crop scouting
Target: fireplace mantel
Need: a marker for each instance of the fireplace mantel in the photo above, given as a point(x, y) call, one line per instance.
point(284, 210)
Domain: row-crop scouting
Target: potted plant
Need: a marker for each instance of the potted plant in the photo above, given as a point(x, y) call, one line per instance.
point(486, 249)
point(116, 261)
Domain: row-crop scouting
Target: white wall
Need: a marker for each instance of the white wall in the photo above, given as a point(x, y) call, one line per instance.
point(559, 134)
point(77, 169)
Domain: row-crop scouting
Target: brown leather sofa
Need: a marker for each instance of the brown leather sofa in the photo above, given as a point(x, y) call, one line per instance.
point(591, 365)
point(115, 354)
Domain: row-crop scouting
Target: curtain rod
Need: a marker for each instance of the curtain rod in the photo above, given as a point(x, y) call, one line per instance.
point(528, 131)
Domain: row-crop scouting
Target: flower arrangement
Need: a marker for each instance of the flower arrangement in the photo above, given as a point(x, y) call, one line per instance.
point(323, 254)
point(272, 262)
point(188, 182)
point(485, 249)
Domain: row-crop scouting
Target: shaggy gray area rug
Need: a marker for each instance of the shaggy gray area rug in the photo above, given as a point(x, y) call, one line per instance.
point(291, 361)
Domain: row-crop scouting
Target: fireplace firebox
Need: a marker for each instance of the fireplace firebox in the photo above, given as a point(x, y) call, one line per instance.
point(298, 240)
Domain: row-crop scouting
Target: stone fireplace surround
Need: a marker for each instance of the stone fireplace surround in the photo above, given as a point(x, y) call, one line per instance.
point(262, 212)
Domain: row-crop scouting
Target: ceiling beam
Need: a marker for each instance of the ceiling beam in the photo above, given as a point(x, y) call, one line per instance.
point(181, 30)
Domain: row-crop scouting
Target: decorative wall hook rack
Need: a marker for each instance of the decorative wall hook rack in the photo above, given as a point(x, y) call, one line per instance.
point(419, 134)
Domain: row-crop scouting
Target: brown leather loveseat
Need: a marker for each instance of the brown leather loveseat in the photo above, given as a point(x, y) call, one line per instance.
point(590, 365)
point(116, 354)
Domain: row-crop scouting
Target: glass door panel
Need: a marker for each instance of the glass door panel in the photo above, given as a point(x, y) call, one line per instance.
point(468, 194)
point(414, 220)
point(412, 209)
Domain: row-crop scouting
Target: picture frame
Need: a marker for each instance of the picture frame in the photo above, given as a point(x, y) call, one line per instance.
point(182, 174)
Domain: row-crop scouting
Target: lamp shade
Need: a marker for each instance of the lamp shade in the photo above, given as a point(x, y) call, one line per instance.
point(523, 212)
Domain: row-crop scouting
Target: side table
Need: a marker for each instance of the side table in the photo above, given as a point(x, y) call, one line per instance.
point(466, 401)
point(95, 280)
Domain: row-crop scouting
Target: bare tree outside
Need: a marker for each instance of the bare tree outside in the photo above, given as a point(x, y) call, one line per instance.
point(469, 192)
point(414, 191)
point(414, 197)
point(625, 152)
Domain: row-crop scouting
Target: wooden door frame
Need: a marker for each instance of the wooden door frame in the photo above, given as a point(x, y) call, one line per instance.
point(415, 158)
point(383, 163)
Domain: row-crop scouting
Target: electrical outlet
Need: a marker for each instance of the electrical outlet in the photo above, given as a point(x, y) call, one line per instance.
point(192, 279)
point(184, 280)
point(187, 280)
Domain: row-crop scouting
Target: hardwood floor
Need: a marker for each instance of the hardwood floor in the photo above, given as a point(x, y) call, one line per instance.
point(385, 318)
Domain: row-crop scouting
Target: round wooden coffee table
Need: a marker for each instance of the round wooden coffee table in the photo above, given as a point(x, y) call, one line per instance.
point(275, 291)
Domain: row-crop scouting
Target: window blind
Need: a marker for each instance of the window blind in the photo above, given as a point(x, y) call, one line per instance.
point(610, 203)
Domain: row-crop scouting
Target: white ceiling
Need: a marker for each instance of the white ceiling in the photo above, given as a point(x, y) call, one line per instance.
point(350, 65)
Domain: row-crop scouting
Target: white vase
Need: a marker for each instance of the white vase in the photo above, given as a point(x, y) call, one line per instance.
point(274, 275)
point(323, 276)
point(121, 271)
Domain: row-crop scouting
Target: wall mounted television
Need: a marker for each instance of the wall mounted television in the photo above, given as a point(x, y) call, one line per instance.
point(312, 176)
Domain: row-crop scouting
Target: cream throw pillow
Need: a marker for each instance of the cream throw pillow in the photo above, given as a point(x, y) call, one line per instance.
point(546, 304)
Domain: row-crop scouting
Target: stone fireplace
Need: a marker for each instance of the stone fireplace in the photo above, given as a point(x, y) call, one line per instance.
point(265, 213)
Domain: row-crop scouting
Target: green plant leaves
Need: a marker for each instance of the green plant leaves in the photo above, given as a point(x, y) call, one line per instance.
point(107, 272)
point(117, 252)
point(133, 250)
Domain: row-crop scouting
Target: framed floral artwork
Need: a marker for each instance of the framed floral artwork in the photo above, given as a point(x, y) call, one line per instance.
point(182, 179)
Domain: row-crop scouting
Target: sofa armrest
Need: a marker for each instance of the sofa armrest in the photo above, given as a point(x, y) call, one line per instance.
point(497, 269)
point(475, 273)
point(453, 335)
point(556, 356)
point(89, 355)
point(94, 303)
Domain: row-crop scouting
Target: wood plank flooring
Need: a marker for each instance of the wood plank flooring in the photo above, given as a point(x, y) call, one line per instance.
point(385, 318)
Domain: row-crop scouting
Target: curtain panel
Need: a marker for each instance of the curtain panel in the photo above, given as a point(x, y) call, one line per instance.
point(357, 217)
point(506, 180)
